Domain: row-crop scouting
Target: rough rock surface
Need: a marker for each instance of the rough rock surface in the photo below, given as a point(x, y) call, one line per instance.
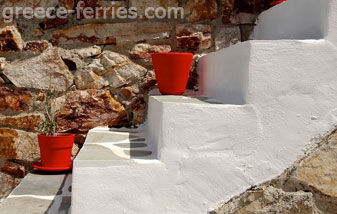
point(309, 186)
point(15, 144)
point(242, 11)
point(111, 69)
point(142, 5)
point(226, 37)
point(14, 99)
point(270, 200)
point(7, 184)
point(10, 39)
point(45, 72)
point(36, 47)
point(27, 122)
point(194, 36)
point(24, 3)
point(143, 51)
point(201, 10)
point(113, 33)
point(84, 110)
point(98, 6)
point(13, 169)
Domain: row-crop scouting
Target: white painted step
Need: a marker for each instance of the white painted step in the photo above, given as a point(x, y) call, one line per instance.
point(277, 97)
point(196, 142)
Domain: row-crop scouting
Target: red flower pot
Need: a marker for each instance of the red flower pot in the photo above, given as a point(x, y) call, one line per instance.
point(56, 150)
point(172, 71)
point(273, 3)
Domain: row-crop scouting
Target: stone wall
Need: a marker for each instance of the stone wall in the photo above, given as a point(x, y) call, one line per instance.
point(308, 186)
point(100, 68)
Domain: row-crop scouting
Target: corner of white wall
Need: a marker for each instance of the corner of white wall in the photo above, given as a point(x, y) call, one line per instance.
point(294, 19)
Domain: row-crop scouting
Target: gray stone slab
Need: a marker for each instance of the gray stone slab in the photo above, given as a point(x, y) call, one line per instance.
point(42, 185)
point(24, 205)
point(39, 194)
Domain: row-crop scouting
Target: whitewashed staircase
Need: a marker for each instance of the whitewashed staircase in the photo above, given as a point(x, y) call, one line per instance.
point(267, 100)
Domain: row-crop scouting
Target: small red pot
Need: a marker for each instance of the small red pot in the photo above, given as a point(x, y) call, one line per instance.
point(56, 150)
point(172, 71)
point(273, 3)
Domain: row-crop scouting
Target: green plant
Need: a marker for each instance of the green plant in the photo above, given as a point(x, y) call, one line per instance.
point(49, 125)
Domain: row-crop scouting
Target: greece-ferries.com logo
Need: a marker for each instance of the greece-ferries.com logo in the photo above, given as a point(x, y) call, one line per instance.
point(111, 11)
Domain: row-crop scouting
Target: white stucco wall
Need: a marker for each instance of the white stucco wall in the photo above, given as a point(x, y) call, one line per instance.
point(294, 19)
point(278, 97)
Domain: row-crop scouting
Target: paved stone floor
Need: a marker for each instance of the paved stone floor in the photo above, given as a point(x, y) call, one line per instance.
point(40, 194)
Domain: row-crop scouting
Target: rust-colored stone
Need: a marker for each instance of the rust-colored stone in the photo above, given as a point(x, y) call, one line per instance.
point(201, 10)
point(80, 139)
point(128, 92)
point(14, 99)
point(84, 110)
point(229, 13)
point(68, 4)
point(7, 145)
point(20, 145)
point(10, 39)
point(138, 108)
point(194, 36)
point(149, 84)
point(36, 47)
point(14, 169)
point(28, 122)
point(53, 23)
point(41, 96)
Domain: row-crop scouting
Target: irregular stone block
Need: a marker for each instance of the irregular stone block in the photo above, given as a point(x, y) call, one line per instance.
point(227, 36)
point(229, 14)
point(108, 69)
point(68, 4)
point(48, 68)
point(14, 169)
point(87, 79)
point(113, 33)
point(36, 47)
point(143, 51)
point(24, 3)
point(27, 122)
point(98, 8)
point(8, 183)
point(15, 144)
point(138, 108)
point(80, 111)
point(270, 200)
point(14, 99)
point(242, 11)
point(128, 92)
point(117, 69)
point(319, 168)
point(53, 23)
point(10, 38)
point(194, 36)
point(142, 5)
point(201, 10)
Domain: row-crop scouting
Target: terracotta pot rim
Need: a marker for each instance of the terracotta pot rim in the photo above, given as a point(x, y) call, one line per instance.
point(172, 53)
